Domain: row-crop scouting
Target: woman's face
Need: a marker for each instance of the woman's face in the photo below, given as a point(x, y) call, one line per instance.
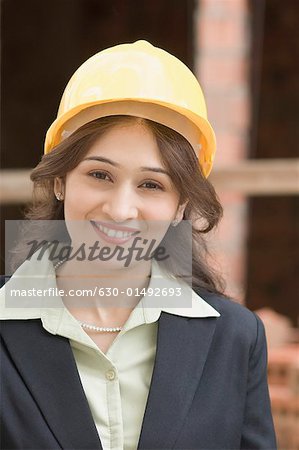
point(121, 188)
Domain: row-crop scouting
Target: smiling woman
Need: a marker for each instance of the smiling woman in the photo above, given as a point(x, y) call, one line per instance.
point(127, 175)
point(152, 174)
point(157, 357)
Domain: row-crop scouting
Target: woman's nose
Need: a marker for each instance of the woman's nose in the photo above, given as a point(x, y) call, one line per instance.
point(121, 205)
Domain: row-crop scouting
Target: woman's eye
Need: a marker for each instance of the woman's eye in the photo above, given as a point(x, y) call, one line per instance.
point(104, 176)
point(99, 175)
point(152, 186)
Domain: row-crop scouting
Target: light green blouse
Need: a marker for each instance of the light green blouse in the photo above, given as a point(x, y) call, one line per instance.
point(117, 383)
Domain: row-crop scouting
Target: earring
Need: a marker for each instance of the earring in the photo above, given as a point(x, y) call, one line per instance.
point(175, 222)
point(59, 196)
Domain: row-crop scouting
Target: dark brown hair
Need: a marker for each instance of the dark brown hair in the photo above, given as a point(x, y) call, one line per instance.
point(179, 159)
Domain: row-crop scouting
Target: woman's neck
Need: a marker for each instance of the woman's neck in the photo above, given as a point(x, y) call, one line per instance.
point(97, 294)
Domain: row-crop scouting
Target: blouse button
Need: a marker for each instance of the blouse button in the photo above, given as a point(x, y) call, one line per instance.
point(110, 375)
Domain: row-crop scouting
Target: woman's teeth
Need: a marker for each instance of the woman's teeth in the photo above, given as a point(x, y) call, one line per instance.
point(114, 233)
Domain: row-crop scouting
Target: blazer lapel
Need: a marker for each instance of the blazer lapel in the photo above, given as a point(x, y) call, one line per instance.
point(47, 366)
point(182, 349)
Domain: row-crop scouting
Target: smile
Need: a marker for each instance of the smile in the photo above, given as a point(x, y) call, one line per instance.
point(115, 235)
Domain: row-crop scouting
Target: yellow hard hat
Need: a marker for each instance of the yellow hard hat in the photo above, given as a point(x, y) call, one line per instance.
point(141, 80)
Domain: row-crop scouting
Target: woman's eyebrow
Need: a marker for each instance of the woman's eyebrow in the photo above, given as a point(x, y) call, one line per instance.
point(101, 159)
point(113, 163)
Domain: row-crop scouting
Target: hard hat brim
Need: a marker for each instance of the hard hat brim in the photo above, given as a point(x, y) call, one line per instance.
point(198, 131)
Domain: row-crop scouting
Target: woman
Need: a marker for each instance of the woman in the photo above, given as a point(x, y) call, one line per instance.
point(159, 357)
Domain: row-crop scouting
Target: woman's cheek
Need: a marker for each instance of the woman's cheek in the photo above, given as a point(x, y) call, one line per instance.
point(161, 210)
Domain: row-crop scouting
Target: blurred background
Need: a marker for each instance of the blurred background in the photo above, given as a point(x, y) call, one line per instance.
point(245, 54)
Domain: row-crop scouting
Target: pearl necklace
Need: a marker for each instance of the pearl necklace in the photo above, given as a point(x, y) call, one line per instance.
point(88, 325)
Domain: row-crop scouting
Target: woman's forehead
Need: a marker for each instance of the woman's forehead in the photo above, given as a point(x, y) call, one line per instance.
point(126, 140)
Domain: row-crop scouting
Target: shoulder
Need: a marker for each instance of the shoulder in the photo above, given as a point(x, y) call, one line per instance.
point(230, 310)
point(236, 321)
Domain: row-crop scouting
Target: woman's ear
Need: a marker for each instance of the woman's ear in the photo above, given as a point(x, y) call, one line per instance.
point(59, 188)
point(180, 212)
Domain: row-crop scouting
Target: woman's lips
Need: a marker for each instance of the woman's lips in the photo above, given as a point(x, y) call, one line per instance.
point(112, 226)
point(116, 237)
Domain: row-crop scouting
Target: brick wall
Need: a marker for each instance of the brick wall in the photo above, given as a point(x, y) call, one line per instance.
point(273, 225)
point(283, 377)
point(222, 46)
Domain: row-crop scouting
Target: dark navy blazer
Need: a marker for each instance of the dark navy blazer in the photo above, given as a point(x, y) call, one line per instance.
point(208, 390)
